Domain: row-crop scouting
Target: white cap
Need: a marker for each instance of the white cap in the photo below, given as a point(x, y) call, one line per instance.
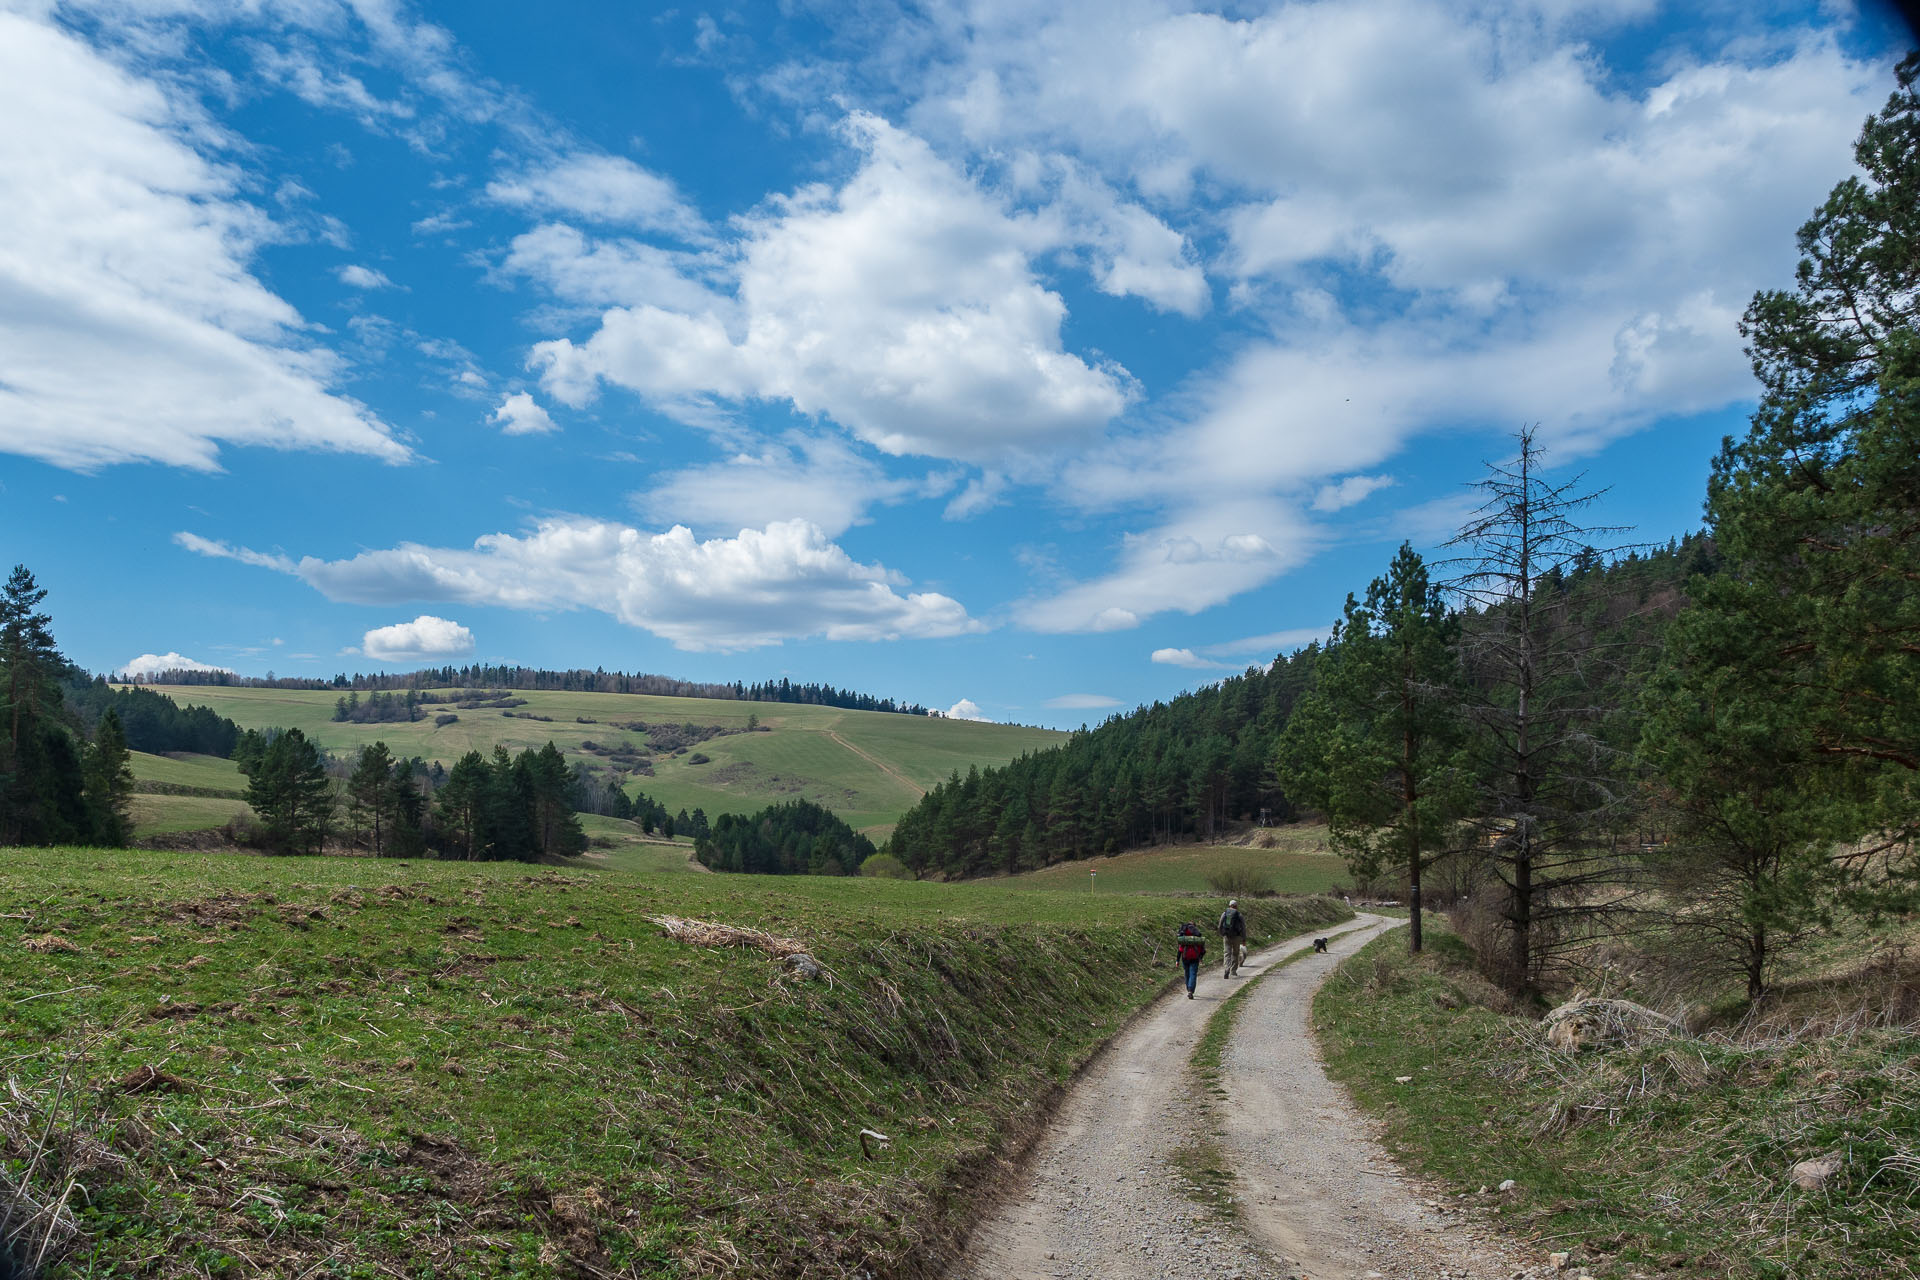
point(1233, 902)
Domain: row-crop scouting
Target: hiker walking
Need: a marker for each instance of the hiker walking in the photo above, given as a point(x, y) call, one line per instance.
point(1233, 937)
point(1191, 948)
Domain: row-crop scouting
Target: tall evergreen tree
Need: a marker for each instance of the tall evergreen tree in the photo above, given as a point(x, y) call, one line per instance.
point(370, 795)
point(109, 783)
point(290, 791)
point(462, 804)
point(29, 660)
point(1378, 746)
point(1817, 509)
point(1753, 818)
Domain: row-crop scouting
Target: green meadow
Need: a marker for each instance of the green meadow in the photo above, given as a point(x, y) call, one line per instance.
point(233, 1065)
point(866, 766)
point(1296, 862)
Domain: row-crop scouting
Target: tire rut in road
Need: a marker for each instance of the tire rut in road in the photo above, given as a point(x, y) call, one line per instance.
point(1102, 1196)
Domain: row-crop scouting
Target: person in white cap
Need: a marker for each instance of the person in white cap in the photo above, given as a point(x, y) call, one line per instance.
point(1233, 936)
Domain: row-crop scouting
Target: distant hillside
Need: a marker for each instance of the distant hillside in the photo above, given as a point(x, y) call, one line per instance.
point(526, 679)
point(719, 755)
point(1187, 767)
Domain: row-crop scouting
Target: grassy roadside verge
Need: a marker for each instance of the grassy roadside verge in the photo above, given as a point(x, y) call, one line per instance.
point(353, 1068)
point(1672, 1158)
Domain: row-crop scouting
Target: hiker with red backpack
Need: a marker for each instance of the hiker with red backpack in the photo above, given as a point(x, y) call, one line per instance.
point(1191, 948)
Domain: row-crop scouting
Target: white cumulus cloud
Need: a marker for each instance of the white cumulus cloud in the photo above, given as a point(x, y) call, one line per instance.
point(800, 477)
point(426, 637)
point(355, 276)
point(521, 415)
point(150, 664)
point(965, 709)
point(217, 550)
point(603, 188)
point(904, 305)
point(1186, 658)
point(760, 587)
point(1349, 492)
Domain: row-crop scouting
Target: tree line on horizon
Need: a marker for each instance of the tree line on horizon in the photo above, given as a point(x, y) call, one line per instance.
point(523, 679)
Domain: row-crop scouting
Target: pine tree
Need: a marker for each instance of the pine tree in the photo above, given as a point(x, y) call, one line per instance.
point(370, 795)
point(1378, 746)
point(462, 803)
point(290, 791)
point(1754, 820)
point(1817, 509)
point(29, 659)
point(109, 783)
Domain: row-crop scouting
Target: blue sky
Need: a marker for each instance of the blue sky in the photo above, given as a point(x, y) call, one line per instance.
point(1035, 361)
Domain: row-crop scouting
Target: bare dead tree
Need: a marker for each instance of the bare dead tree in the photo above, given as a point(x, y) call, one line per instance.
point(1550, 782)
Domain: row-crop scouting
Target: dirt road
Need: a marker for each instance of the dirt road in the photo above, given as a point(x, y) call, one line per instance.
point(881, 765)
point(1102, 1197)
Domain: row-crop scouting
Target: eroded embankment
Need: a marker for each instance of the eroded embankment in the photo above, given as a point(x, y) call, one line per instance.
point(246, 1066)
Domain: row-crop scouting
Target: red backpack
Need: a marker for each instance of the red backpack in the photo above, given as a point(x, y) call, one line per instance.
point(1192, 945)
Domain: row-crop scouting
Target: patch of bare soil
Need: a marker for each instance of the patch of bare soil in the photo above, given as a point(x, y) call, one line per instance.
point(1312, 1197)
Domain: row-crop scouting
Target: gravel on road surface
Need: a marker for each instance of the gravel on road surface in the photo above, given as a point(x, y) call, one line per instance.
point(1102, 1195)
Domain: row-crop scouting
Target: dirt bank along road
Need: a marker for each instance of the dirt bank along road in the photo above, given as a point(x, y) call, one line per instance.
point(1103, 1196)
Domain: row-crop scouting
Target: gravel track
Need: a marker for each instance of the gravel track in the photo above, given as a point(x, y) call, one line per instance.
point(1101, 1198)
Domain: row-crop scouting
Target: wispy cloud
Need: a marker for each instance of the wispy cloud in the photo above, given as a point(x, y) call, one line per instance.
point(1081, 702)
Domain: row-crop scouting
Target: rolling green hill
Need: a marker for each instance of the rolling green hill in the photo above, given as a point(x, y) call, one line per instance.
point(866, 766)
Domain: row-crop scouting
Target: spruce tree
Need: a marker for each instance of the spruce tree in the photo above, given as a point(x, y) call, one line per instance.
point(462, 806)
point(109, 783)
point(29, 659)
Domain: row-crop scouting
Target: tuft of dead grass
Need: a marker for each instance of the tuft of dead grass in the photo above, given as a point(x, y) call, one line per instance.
point(709, 933)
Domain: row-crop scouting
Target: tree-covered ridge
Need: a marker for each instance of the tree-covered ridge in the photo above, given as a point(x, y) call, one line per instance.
point(1187, 767)
point(794, 838)
point(578, 680)
point(152, 721)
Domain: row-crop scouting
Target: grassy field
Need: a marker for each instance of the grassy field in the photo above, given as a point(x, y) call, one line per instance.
point(1672, 1158)
point(183, 770)
point(867, 766)
point(175, 815)
point(1298, 862)
point(248, 1066)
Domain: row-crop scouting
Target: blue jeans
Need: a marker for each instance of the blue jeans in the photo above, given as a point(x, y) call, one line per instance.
point(1193, 973)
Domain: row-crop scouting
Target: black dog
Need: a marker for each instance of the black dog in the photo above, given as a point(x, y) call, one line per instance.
point(1319, 944)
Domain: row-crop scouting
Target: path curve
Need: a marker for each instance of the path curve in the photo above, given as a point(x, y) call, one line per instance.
point(1101, 1197)
point(881, 765)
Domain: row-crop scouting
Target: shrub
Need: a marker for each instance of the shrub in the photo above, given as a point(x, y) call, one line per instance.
point(243, 829)
point(1241, 882)
point(444, 719)
point(699, 757)
point(886, 866)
